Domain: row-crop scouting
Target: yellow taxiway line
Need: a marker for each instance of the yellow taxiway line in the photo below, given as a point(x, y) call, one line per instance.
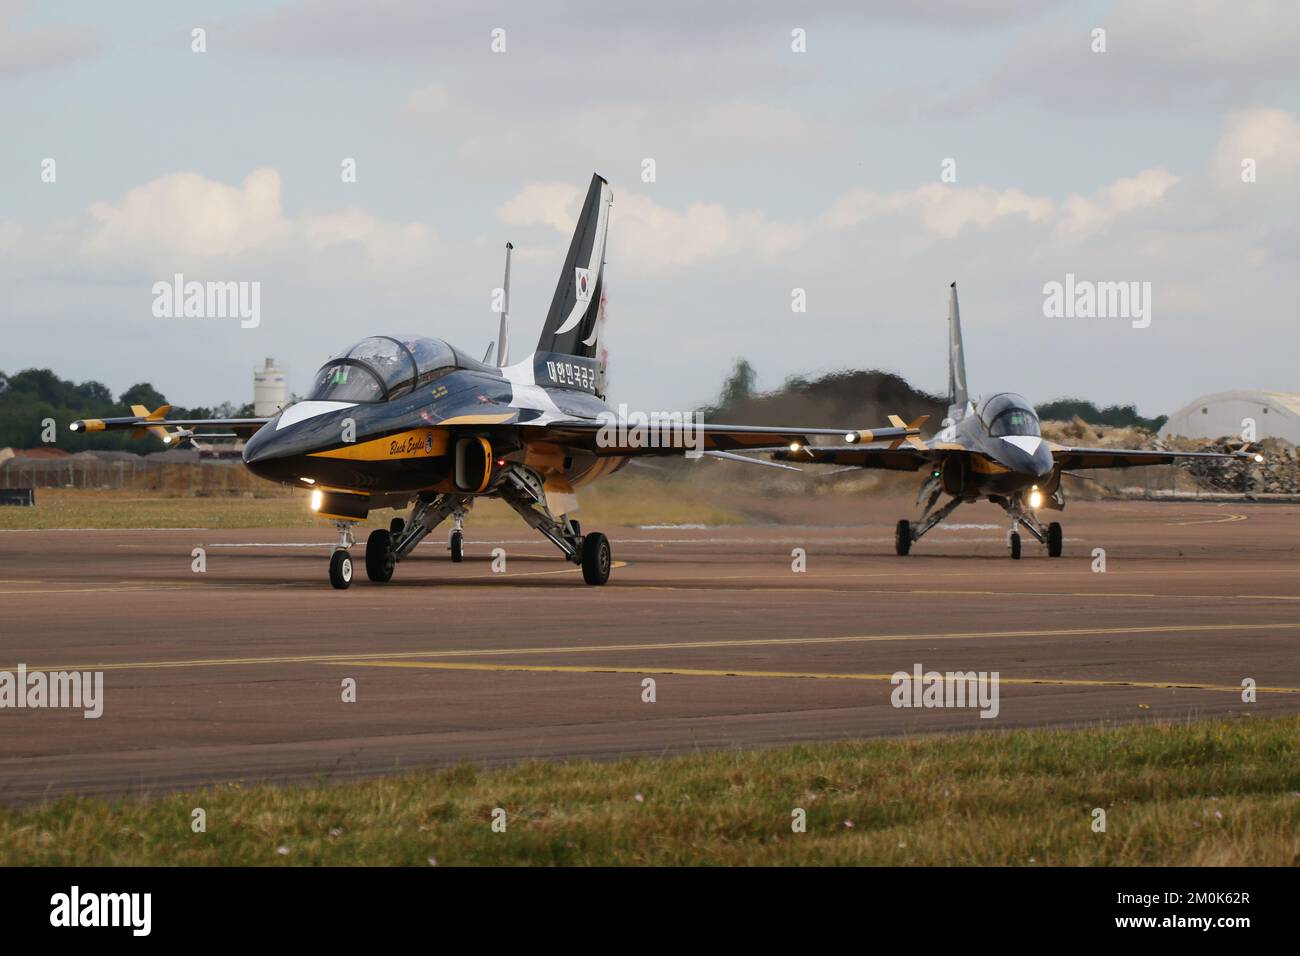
point(676, 645)
point(731, 672)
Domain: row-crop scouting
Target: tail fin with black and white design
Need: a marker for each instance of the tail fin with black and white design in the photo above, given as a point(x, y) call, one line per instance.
point(572, 324)
point(958, 397)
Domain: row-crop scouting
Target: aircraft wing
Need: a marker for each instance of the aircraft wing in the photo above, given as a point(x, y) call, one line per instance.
point(879, 456)
point(160, 425)
point(587, 434)
point(1072, 458)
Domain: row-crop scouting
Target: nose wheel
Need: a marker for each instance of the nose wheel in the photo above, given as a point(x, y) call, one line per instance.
point(340, 560)
point(340, 569)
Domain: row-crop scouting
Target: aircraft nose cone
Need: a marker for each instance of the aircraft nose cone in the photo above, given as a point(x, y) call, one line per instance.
point(1029, 455)
point(257, 448)
point(1044, 462)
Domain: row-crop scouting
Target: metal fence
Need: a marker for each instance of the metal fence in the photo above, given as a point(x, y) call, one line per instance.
point(216, 478)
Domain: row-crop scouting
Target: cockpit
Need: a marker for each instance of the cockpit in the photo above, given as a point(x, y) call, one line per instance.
point(382, 367)
point(1009, 414)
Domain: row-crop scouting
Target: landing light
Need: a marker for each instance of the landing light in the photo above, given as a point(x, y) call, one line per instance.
point(74, 427)
point(316, 500)
point(1035, 499)
point(1259, 458)
point(851, 437)
point(308, 481)
point(794, 446)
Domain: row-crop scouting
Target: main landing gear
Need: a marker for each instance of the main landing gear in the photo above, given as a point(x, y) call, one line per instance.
point(525, 493)
point(906, 532)
point(521, 490)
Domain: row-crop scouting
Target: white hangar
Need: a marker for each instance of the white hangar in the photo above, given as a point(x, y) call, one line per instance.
point(1276, 415)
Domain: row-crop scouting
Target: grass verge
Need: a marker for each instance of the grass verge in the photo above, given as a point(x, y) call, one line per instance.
point(1221, 792)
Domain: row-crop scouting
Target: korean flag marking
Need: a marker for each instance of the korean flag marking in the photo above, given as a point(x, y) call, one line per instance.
point(583, 283)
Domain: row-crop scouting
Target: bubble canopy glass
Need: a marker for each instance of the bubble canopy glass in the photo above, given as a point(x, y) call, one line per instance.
point(382, 367)
point(1009, 414)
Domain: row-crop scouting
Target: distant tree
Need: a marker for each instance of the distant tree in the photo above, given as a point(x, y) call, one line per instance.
point(142, 394)
point(1116, 416)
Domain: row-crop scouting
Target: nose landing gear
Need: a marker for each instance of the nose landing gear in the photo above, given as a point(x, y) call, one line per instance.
point(340, 560)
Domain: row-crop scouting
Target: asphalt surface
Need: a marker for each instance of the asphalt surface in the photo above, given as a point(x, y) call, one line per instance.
point(236, 673)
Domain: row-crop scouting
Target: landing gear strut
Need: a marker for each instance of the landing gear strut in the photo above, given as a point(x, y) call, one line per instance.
point(525, 493)
point(456, 541)
point(906, 532)
point(384, 549)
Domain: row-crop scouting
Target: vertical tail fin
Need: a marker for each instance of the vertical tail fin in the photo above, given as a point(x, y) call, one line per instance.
point(571, 324)
point(958, 397)
point(503, 333)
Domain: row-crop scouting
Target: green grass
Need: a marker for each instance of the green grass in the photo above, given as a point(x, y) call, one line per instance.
point(1218, 792)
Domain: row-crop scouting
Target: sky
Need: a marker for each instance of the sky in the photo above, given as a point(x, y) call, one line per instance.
point(865, 153)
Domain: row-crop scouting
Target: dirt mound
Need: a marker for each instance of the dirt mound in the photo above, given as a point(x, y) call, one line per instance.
point(851, 399)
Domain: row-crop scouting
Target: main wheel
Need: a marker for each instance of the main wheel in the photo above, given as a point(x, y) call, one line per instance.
point(1015, 545)
point(379, 556)
point(396, 526)
point(903, 537)
point(457, 547)
point(597, 558)
point(1055, 539)
point(340, 569)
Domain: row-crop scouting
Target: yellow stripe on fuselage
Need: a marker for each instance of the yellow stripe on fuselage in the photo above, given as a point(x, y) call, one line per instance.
point(416, 443)
point(986, 466)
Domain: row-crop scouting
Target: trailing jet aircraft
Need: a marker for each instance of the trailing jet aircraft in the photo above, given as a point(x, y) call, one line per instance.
point(989, 449)
point(398, 420)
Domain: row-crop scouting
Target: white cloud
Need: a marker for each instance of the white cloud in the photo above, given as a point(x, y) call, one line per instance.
point(1091, 213)
point(1271, 137)
point(184, 219)
point(548, 204)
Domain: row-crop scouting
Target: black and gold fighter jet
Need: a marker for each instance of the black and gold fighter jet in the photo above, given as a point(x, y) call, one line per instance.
point(405, 419)
point(989, 449)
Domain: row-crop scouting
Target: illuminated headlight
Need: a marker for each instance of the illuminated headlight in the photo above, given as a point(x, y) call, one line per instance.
point(316, 500)
point(795, 446)
point(1259, 458)
point(1035, 499)
point(851, 437)
point(74, 427)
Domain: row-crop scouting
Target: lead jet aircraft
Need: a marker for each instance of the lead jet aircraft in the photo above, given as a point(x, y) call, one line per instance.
point(404, 419)
point(992, 449)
